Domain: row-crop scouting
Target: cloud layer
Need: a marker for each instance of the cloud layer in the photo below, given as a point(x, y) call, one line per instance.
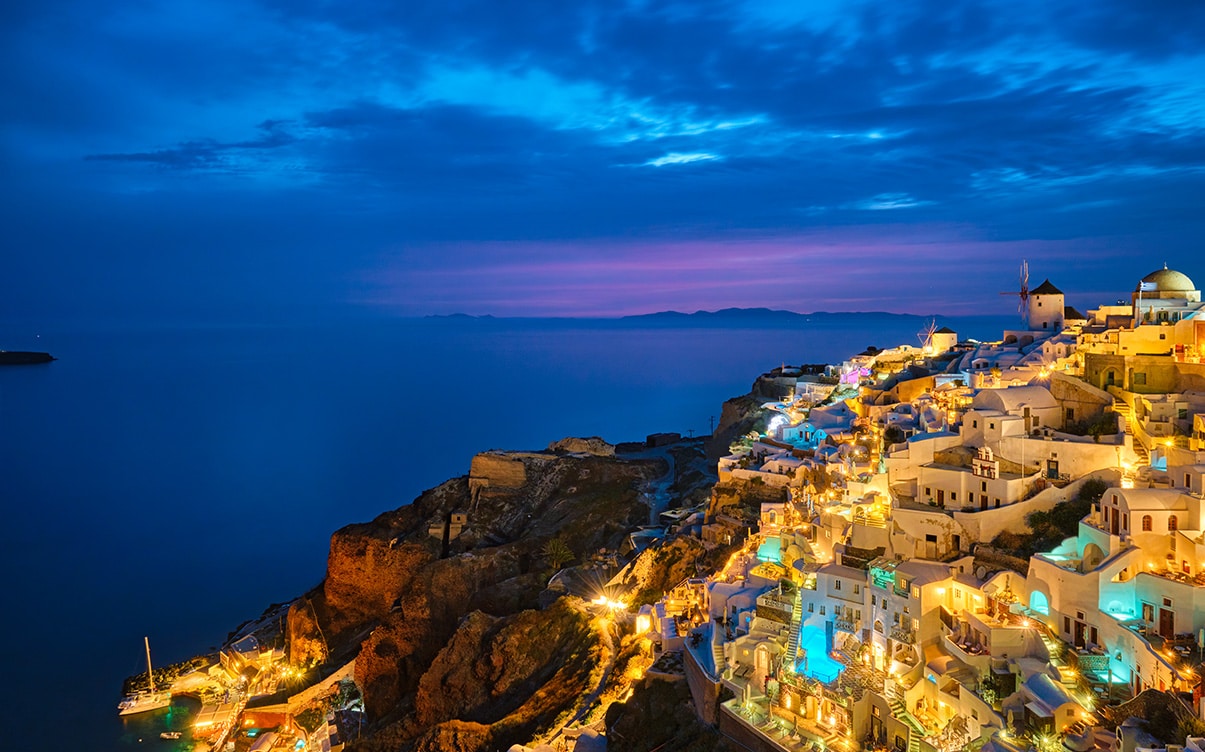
point(593, 157)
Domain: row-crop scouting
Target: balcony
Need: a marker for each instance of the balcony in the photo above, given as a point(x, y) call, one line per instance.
point(906, 636)
point(846, 625)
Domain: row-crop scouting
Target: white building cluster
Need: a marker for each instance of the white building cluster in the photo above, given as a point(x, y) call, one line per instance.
point(888, 603)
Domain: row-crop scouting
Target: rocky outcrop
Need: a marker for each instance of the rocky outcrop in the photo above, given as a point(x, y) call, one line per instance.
point(591, 445)
point(661, 567)
point(738, 416)
point(659, 715)
point(519, 669)
point(394, 598)
point(496, 470)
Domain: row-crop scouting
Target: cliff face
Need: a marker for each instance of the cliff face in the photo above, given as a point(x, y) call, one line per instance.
point(659, 715)
point(511, 673)
point(738, 416)
point(661, 567)
point(398, 588)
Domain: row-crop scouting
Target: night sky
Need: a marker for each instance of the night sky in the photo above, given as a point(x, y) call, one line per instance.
point(181, 161)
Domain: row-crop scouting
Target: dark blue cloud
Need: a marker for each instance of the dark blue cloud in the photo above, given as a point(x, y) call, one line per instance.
point(278, 154)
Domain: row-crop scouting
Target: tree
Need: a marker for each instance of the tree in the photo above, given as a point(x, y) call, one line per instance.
point(557, 554)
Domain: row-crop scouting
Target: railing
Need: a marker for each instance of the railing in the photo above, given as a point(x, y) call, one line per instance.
point(900, 634)
point(846, 625)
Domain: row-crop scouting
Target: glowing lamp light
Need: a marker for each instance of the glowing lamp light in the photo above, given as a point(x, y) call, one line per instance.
point(643, 623)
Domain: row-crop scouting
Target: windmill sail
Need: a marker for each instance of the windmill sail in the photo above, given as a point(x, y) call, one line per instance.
point(1023, 294)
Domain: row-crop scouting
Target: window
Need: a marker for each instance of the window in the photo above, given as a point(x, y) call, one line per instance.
point(1167, 602)
point(874, 601)
point(992, 426)
point(953, 496)
point(822, 610)
point(1172, 524)
point(1140, 379)
point(811, 608)
point(836, 584)
point(857, 589)
point(1147, 523)
point(983, 485)
point(928, 491)
point(974, 424)
point(1066, 623)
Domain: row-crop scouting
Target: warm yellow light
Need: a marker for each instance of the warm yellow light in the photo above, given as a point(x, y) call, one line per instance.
point(643, 623)
point(788, 702)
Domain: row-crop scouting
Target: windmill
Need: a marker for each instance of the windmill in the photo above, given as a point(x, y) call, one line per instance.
point(926, 335)
point(1023, 304)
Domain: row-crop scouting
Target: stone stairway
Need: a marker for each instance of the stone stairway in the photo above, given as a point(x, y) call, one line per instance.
point(717, 654)
point(1127, 415)
point(915, 730)
point(793, 640)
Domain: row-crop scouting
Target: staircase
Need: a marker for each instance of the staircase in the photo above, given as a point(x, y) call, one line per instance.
point(717, 654)
point(796, 621)
point(916, 731)
point(1122, 408)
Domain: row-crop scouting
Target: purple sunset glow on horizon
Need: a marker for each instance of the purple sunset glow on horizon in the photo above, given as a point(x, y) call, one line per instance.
point(222, 160)
point(837, 271)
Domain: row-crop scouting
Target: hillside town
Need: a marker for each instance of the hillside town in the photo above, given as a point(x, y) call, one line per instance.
point(952, 545)
point(963, 544)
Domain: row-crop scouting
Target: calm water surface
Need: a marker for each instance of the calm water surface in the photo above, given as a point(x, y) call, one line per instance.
point(174, 483)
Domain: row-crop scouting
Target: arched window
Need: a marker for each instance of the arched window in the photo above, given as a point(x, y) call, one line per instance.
point(1147, 523)
point(1172, 524)
point(1038, 602)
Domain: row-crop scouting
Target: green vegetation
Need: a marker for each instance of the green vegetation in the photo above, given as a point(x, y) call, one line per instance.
point(556, 552)
point(1104, 424)
point(1050, 528)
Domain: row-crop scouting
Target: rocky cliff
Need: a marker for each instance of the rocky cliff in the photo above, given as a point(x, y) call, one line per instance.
point(449, 646)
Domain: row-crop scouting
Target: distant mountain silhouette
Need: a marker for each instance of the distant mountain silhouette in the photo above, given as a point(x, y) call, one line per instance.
point(760, 314)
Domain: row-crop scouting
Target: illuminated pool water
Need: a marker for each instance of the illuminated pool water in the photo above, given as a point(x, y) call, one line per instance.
point(770, 550)
point(815, 661)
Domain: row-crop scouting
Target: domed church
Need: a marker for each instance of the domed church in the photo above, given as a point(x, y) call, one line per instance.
point(1165, 296)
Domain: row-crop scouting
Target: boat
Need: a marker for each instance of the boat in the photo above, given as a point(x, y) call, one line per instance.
point(23, 358)
point(170, 735)
point(144, 701)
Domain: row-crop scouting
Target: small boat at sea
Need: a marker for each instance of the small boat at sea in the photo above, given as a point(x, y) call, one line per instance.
point(170, 735)
point(144, 701)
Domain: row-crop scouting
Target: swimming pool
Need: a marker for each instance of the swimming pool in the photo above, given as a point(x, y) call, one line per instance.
point(814, 660)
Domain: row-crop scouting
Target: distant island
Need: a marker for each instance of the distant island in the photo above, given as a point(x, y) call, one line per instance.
point(722, 317)
point(23, 358)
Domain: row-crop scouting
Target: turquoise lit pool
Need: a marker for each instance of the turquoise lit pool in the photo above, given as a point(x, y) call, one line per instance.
point(815, 661)
point(770, 550)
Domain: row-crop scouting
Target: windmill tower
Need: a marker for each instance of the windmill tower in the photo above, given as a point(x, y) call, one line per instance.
point(926, 336)
point(1023, 293)
point(1046, 308)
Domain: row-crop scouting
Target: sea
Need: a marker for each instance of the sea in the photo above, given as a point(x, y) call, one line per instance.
point(173, 481)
